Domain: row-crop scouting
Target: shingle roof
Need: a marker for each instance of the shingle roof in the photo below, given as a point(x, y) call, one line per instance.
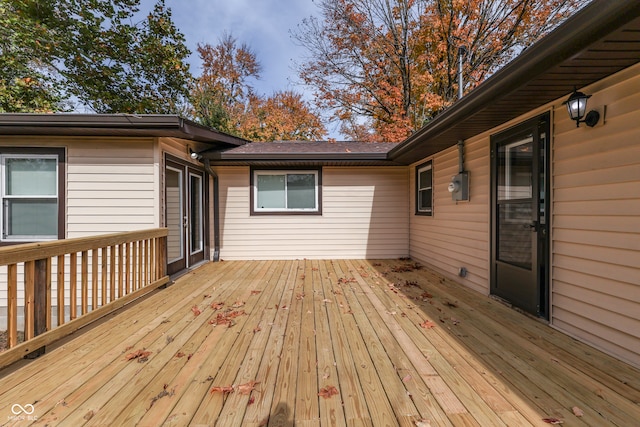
point(300, 151)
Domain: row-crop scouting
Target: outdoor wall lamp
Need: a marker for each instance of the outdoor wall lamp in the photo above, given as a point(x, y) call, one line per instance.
point(577, 106)
point(194, 154)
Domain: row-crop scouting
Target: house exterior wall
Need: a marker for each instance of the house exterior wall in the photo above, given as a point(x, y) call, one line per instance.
point(457, 234)
point(110, 182)
point(595, 218)
point(364, 215)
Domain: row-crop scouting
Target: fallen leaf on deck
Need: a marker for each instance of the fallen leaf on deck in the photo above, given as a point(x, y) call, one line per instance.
point(257, 329)
point(238, 304)
point(427, 324)
point(223, 390)
point(162, 394)
point(423, 423)
point(577, 411)
point(179, 354)
point(217, 305)
point(451, 304)
point(426, 295)
point(326, 300)
point(328, 391)
point(455, 321)
point(252, 399)
point(255, 292)
point(246, 388)
point(142, 355)
point(552, 421)
point(196, 311)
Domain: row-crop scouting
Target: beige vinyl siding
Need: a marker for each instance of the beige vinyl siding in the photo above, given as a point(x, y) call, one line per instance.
point(457, 234)
point(596, 220)
point(364, 215)
point(111, 185)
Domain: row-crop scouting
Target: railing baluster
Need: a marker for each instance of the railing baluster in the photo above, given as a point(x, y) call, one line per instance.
point(84, 281)
point(48, 272)
point(134, 265)
point(12, 309)
point(121, 269)
point(94, 279)
point(112, 273)
point(103, 275)
point(60, 284)
point(127, 270)
point(73, 285)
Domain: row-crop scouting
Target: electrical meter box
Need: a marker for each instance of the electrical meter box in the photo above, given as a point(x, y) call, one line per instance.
point(459, 187)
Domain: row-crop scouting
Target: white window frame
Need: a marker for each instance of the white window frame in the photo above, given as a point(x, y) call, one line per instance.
point(4, 197)
point(425, 167)
point(257, 173)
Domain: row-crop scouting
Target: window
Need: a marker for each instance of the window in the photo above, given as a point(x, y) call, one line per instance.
point(30, 188)
point(276, 191)
point(424, 189)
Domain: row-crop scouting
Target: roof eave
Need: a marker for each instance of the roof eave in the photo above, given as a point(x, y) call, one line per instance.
point(112, 125)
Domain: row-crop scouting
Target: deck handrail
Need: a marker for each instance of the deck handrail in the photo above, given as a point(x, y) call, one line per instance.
point(95, 275)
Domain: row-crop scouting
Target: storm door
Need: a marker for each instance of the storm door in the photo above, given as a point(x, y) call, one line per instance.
point(185, 192)
point(519, 248)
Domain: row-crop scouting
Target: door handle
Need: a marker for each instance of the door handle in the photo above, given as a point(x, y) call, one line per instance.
point(533, 225)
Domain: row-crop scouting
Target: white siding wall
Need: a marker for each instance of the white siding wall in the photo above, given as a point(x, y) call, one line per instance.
point(457, 235)
point(596, 220)
point(364, 215)
point(111, 186)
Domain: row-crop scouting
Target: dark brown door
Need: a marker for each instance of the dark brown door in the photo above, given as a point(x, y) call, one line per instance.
point(519, 215)
point(185, 201)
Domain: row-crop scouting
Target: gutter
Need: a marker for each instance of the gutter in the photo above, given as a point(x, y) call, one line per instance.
point(216, 209)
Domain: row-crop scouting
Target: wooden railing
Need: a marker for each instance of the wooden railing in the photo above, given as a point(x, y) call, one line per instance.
point(70, 283)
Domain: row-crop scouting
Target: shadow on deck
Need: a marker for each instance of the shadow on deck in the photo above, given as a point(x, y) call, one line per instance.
point(319, 343)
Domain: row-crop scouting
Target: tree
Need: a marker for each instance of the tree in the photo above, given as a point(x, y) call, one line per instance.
point(385, 68)
point(284, 116)
point(224, 98)
point(222, 91)
point(91, 51)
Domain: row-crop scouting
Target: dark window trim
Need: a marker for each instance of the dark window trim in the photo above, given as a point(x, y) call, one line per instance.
point(253, 212)
point(62, 183)
point(417, 189)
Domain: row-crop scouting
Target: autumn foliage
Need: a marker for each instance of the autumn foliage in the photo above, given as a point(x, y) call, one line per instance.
point(224, 98)
point(385, 69)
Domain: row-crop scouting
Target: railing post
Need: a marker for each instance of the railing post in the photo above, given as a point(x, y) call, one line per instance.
point(39, 303)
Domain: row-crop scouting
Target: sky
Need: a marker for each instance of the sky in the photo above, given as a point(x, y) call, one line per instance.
point(264, 25)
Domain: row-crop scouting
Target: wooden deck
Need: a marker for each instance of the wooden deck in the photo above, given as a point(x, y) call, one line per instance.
point(399, 346)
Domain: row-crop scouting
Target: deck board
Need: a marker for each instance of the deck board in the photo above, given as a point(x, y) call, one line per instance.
point(350, 324)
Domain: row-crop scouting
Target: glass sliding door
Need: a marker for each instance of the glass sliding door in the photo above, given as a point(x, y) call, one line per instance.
point(185, 215)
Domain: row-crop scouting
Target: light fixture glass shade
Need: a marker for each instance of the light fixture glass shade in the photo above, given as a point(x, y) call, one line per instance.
point(577, 105)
